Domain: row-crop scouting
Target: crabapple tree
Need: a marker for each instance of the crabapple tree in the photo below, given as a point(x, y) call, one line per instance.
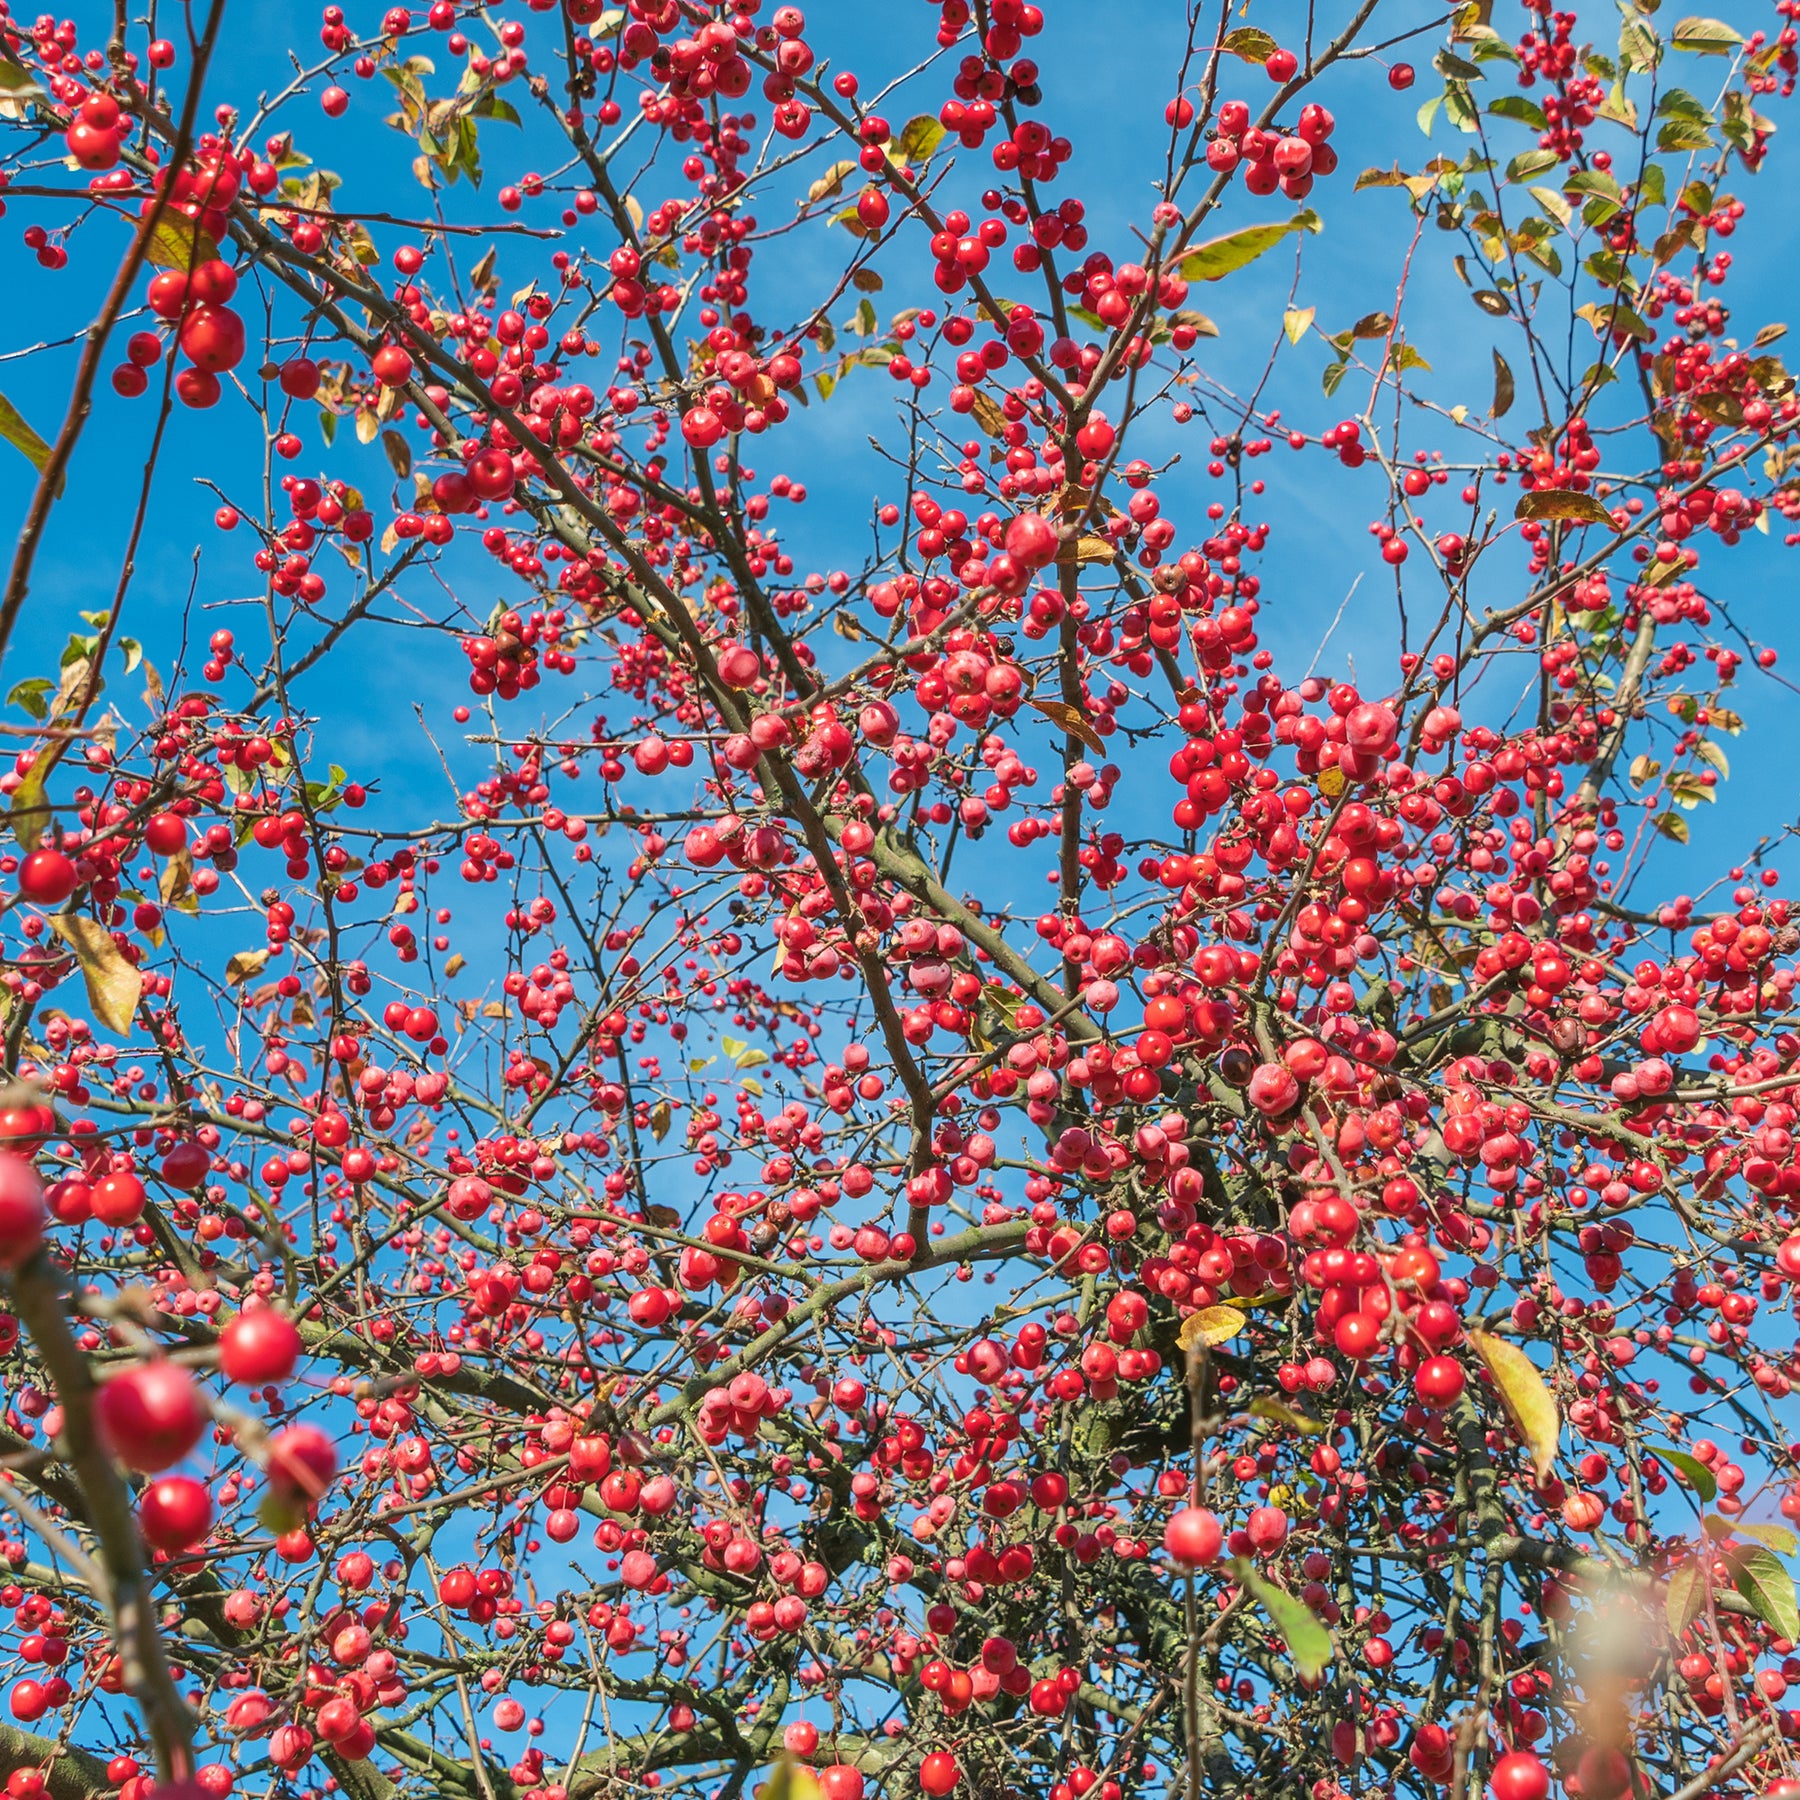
point(696, 1109)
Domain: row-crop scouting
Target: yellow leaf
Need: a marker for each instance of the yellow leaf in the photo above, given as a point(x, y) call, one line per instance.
point(1296, 321)
point(246, 963)
point(1528, 1402)
point(21, 436)
point(1210, 1325)
point(788, 1780)
point(660, 1114)
point(179, 243)
point(30, 811)
point(831, 183)
point(1331, 782)
point(113, 984)
point(455, 966)
point(1073, 721)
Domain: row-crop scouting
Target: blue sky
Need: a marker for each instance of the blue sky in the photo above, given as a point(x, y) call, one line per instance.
point(1104, 91)
point(1104, 69)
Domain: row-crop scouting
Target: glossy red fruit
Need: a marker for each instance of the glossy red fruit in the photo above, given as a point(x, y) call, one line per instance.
point(213, 282)
point(198, 388)
point(150, 1415)
point(165, 834)
point(491, 475)
point(1439, 1381)
point(47, 878)
point(70, 1202)
point(391, 365)
point(302, 1463)
point(938, 1773)
point(168, 293)
point(117, 1200)
point(1519, 1775)
point(212, 338)
point(21, 1211)
point(841, 1781)
point(185, 1164)
point(259, 1346)
point(174, 1512)
point(299, 377)
point(1193, 1536)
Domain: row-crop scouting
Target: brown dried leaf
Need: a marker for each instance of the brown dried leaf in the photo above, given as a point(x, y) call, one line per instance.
point(398, 452)
point(1073, 721)
point(987, 414)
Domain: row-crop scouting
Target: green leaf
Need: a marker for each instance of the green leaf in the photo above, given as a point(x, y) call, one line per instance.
point(1683, 134)
point(1554, 204)
point(1247, 42)
point(1308, 1642)
point(1757, 1574)
point(1686, 1598)
point(1527, 112)
point(1678, 103)
point(1278, 1411)
point(1566, 504)
point(1639, 46)
point(1691, 1470)
point(29, 694)
point(22, 438)
point(1777, 1537)
point(1222, 256)
point(491, 106)
point(1616, 317)
point(1460, 108)
point(1594, 181)
point(1705, 37)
